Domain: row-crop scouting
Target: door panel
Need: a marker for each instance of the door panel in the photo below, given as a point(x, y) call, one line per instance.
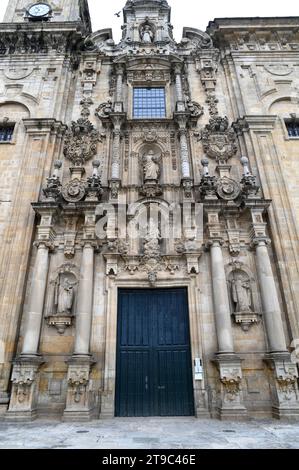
point(154, 372)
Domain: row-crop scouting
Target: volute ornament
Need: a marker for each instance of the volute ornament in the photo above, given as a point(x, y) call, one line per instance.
point(103, 111)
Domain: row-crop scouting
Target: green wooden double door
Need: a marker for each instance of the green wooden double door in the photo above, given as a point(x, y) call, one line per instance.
point(154, 369)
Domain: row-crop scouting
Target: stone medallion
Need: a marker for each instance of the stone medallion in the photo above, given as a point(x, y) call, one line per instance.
point(74, 190)
point(228, 189)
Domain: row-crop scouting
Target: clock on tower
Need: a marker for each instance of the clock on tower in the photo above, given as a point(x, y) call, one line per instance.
point(39, 12)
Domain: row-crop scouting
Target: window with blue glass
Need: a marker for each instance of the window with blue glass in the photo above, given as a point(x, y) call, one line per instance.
point(292, 127)
point(6, 132)
point(149, 103)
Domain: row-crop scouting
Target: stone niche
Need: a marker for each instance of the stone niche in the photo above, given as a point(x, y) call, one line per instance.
point(242, 298)
point(62, 298)
point(150, 169)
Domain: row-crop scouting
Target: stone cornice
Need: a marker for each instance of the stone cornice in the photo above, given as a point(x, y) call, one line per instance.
point(63, 26)
point(224, 25)
point(262, 123)
point(255, 35)
point(42, 125)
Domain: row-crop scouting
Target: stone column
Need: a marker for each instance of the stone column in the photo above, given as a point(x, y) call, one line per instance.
point(115, 155)
point(228, 363)
point(79, 402)
point(221, 301)
point(36, 302)
point(117, 120)
point(25, 376)
point(284, 389)
point(179, 88)
point(85, 301)
point(184, 151)
point(270, 302)
point(284, 372)
point(118, 105)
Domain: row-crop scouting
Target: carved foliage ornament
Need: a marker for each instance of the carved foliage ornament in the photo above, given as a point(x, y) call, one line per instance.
point(81, 142)
point(219, 142)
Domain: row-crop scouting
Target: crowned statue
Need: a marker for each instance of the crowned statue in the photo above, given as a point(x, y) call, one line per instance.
point(147, 34)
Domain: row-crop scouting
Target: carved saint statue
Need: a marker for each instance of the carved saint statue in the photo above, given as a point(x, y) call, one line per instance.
point(64, 296)
point(151, 240)
point(241, 295)
point(151, 166)
point(147, 34)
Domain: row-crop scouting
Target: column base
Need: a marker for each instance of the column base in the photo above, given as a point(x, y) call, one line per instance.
point(285, 415)
point(21, 416)
point(232, 414)
point(107, 405)
point(70, 416)
point(80, 399)
point(230, 388)
point(4, 402)
point(284, 386)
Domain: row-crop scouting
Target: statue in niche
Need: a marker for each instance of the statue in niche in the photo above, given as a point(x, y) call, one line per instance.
point(64, 296)
point(147, 34)
point(152, 239)
point(151, 167)
point(241, 293)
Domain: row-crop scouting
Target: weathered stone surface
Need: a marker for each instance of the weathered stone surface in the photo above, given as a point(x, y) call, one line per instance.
point(76, 143)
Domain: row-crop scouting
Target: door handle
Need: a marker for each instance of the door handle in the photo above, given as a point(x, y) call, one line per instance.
point(146, 382)
point(161, 387)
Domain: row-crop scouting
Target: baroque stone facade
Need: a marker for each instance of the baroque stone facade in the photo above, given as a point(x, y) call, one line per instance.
point(81, 171)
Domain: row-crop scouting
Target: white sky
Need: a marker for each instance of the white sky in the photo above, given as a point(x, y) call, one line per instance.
point(194, 13)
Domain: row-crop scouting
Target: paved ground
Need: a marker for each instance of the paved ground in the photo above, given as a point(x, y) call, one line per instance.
point(150, 433)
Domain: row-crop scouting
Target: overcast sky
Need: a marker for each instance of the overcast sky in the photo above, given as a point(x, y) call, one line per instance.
point(195, 13)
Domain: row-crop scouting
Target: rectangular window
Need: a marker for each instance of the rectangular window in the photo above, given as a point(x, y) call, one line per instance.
point(149, 103)
point(6, 132)
point(293, 128)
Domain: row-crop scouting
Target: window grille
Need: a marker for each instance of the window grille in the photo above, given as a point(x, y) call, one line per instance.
point(149, 103)
point(6, 132)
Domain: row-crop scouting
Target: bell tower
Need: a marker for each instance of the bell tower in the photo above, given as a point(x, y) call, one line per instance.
point(147, 21)
point(19, 11)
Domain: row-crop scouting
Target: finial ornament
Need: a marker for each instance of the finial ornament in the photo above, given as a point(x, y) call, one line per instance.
point(244, 162)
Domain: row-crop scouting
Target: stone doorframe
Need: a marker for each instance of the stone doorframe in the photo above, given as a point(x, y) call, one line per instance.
point(108, 394)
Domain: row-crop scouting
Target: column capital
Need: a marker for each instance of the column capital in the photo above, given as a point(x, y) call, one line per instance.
point(44, 244)
point(262, 241)
point(217, 242)
point(89, 244)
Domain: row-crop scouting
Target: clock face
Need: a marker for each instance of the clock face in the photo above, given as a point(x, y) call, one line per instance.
point(39, 9)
